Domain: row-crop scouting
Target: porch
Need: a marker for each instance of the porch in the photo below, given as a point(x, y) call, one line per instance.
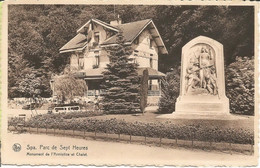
point(93, 78)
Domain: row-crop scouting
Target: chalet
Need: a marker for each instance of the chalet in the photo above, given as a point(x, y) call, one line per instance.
point(89, 57)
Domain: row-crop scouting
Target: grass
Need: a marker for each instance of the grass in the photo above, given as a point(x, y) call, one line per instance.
point(150, 117)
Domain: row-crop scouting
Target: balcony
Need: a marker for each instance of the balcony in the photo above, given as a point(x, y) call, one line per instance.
point(91, 93)
point(95, 92)
point(140, 53)
point(154, 93)
point(99, 92)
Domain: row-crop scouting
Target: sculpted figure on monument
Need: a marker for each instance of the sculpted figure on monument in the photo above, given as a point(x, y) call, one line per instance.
point(201, 72)
point(211, 81)
point(204, 58)
point(202, 78)
point(192, 75)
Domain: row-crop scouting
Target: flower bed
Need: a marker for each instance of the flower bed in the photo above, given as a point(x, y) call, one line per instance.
point(157, 130)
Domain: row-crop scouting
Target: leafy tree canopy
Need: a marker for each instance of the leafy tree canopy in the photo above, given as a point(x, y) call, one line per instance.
point(66, 86)
point(37, 32)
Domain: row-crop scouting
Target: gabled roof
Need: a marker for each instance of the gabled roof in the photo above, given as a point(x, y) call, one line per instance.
point(133, 29)
point(98, 22)
point(130, 32)
point(76, 43)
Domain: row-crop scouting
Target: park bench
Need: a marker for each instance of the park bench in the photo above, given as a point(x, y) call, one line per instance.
point(66, 109)
point(20, 126)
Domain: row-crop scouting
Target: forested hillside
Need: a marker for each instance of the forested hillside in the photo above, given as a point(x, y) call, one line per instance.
point(37, 32)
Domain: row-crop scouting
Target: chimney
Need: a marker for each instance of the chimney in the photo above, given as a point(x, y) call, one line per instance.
point(116, 22)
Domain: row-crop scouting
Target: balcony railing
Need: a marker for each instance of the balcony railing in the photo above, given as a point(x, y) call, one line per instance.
point(143, 54)
point(95, 92)
point(153, 93)
point(99, 93)
point(91, 92)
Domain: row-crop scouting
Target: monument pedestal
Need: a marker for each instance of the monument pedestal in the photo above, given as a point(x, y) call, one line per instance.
point(203, 105)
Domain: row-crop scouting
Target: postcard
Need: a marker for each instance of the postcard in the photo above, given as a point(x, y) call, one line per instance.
point(136, 83)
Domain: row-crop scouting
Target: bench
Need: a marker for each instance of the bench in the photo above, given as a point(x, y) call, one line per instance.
point(20, 125)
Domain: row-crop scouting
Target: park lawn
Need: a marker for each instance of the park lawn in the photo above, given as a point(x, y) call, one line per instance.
point(247, 123)
point(239, 130)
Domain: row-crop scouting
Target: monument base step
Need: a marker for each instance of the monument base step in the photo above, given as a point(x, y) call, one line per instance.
point(151, 109)
point(201, 107)
point(203, 115)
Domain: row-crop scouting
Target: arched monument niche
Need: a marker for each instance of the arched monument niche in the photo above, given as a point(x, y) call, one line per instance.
point(202, 85)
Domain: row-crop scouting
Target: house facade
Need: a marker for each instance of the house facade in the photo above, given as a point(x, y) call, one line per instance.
point(89, 58)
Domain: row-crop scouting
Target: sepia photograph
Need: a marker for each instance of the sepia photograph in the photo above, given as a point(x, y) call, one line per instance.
point(130, 84)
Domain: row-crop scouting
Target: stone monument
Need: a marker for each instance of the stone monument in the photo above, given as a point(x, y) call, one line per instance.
point(202, 85)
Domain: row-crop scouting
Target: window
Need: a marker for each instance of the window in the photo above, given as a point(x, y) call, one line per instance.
point(97, 60)
point(150, 85)
point(136, 41)
point(135, 61)
point(151, 62)
point(136, 52)
point(96, 37)
point(150, 43)
point(81, 63)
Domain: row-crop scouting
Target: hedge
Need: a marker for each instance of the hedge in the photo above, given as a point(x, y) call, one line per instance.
point(156, 130)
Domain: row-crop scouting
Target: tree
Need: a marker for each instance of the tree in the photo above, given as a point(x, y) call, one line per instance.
point(180, 24)
point(170, 91)
point(66, 86)
point(37, 32)
point(121, 81)
point(144, 90)
point(29, 86)
point(240, 85)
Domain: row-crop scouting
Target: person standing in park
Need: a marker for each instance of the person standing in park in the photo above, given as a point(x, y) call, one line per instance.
point(96, 103)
